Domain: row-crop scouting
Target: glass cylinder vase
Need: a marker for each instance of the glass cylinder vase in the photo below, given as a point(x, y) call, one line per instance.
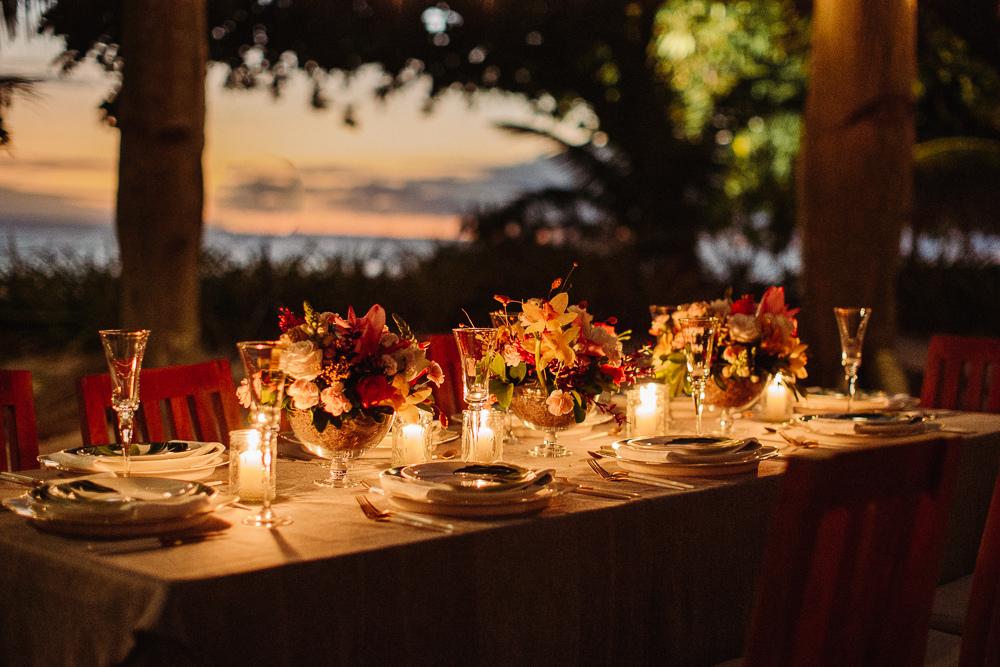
point(483, 433)
point(412, 443)
point(246, 466)
point(648, 410)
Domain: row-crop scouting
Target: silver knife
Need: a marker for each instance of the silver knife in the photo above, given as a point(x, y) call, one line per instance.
point(20, 479)
point(591, 491)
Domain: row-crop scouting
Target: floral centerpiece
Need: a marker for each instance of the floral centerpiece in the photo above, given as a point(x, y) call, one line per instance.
point(559, 349)
point(754, 340)
point(342, 370)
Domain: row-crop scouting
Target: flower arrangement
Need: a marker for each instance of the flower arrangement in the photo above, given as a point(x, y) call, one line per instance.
point(342, 369)
point(754, 339)
point(562, 349)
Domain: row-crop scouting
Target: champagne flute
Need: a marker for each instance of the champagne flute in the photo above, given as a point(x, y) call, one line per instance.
point(266, 381)
point(699, 339)
point(852, 323)
point(124, 350)
point(475, 348)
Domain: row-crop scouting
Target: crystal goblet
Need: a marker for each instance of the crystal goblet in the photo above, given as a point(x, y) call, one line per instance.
point(851, 322)
point(266, 382)
point(124, 351)
point(699, 340)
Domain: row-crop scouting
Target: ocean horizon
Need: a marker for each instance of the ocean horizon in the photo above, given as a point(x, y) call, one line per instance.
point(97, 244)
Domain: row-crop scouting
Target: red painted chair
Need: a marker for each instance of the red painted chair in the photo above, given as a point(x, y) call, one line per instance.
point(18, 431)
point(449, 396)
point(195, 402)
point(852, 557)
point(962, 373)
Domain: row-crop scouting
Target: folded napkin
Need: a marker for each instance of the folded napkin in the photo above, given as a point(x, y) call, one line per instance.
point(748, 450)
point(204, 455)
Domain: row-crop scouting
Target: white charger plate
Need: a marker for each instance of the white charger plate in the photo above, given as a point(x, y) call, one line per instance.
point(533, 503)
point(734, 466)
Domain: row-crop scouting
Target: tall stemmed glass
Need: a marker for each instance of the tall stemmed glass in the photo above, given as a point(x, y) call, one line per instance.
point(266, 382)
point(124, 350)
point(475, 348)
point(699, 339)
point(852, 323)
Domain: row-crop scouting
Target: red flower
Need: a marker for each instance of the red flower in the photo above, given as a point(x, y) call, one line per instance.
point(368, 329)
point(744, 306)
point(373, 390)
point(773, 302)
point(617, 373)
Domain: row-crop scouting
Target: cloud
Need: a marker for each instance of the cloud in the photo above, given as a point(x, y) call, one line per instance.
point(29, 208)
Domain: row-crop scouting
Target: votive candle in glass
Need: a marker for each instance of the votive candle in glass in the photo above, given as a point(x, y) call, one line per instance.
point(412, 442)
point(246, 466)
point(482, 435)
point(648, 409)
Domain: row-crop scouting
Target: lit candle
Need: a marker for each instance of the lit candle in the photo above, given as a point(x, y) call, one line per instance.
point(776, 401)
point(646, 413)
point(252, 475)
point(411, 446)
point(485, 445)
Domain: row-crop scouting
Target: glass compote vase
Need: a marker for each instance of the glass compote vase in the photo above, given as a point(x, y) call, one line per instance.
point(738, 396)
point(529, 404)
point(355, 437)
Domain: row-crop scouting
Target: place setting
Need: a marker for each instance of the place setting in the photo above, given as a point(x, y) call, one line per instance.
point(858, 428)
point(687, 455)
point(177, 459)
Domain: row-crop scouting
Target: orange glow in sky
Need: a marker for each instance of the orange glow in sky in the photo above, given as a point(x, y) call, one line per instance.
point(62, 163)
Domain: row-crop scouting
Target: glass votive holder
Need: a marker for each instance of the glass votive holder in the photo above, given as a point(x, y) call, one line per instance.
point(648, 410)
point(483, 433)
point(412, 443)
point(777, 402)
point(246, 466)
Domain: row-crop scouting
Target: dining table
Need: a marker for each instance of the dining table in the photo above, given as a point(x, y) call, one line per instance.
point(666, 578)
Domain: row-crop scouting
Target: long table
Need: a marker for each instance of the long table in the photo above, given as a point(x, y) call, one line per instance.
point(667, 579)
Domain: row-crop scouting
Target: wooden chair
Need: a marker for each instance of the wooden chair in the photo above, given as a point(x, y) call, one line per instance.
point(195, 402)
point(443, 349)
point(962, 373)
point(18, 430)
point(852, 557)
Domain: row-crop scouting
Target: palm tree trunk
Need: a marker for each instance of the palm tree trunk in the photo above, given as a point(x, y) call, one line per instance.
point(856, 173)
point(160, 184)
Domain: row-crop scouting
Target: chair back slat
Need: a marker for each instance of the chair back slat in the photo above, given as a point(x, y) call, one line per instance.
point(18, 429)
point(193, 402)
point(852, 557)
point(449, 397)
point(962, 373)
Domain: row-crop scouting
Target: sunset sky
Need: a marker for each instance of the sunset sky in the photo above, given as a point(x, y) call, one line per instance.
point(400, 173)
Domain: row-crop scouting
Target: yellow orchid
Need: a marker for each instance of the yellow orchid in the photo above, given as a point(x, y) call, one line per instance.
point(405, 403)
point(548, 315)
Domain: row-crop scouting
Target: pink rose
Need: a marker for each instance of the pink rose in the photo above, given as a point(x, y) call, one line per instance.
point(334, 400)
point(304, 394)
point(511, 356)
point(559, 402)
point(435, 373)
point(243, 393)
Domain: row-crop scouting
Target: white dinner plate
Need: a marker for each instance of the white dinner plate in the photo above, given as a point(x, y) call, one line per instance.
point(189, 474)
point(872, 423)
point(466, 476)
point(157, 458)
point(21, 506)
point(532, 503)
point(395, 484)
point(734, 466)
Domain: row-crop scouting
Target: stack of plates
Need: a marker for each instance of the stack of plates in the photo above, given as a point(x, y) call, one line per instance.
point(177, 459)
point(689, 455)
point(458, 488)
point(826, 400)
point(862, 425)
point(118, 507)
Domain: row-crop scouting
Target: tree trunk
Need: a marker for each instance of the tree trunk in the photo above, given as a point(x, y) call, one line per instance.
point(855, 179)
point(160, 185)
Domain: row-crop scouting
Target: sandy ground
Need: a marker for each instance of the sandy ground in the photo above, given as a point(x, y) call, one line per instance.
point(54, 378)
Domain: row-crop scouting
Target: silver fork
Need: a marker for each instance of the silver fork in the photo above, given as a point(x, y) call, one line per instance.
point(636, 477)
point(406, 518)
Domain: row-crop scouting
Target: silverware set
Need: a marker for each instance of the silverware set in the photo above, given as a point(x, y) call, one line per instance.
point(406, 518)
point(636, 477)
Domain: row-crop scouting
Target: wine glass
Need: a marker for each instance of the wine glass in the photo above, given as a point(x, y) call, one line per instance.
point(266, 381)
point(124, 350)
point(852, 323)
point(699, 339)
point(475, 348)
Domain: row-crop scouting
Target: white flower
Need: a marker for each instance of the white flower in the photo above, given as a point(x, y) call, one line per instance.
point(435, 373)
point(744, 328)
point(609, 343)
point(388, 340)
point(559, 402)
point(302, 360)
point(304, 394)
